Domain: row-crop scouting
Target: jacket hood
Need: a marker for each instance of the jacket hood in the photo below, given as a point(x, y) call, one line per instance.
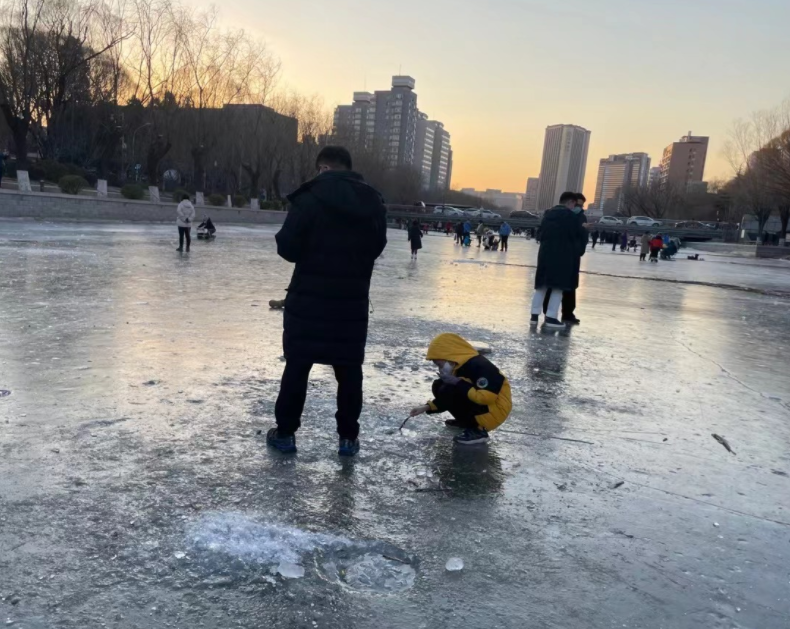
point(341, 191)
point(451, 347)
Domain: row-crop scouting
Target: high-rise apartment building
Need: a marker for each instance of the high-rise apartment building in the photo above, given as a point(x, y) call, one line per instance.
point(396, 120)
point(531, 195)
point(616, 173)
point(441, 165)
point(423, 147)
point(564, 163)
point(390, 121)
point(684, 161)
point(358, 120)
point(654, 176)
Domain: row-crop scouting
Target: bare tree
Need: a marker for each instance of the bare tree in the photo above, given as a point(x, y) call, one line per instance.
point(19, 45)
point(749, 151)
point(656, 201)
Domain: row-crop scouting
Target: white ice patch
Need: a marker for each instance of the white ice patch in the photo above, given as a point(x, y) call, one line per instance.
point(238, 535)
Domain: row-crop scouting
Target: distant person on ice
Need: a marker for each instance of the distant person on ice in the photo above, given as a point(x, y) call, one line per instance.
point(415, 238)
point(334, 231)
point(469, 387)
point(185, 214)
point(656, 245)
point(504, 233)
point(480, 231)
point(644, 246)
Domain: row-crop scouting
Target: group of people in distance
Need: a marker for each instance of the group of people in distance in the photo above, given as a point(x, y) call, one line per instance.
point(335, 229)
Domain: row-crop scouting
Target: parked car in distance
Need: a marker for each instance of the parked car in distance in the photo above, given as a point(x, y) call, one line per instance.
point(448, 210)
point(482, 213)
point(609, 220)
point(524, 214)
point(692, 225)
point(643, 221)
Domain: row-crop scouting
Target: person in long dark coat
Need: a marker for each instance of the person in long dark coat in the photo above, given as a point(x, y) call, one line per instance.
point(415, 238)
point(569, 296)
point(562, 242)
point(334, 231)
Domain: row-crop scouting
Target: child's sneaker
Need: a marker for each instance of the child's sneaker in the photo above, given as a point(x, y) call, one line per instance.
point(452, 423)
point(348, 447)
point(533, 321)
point(554, 324)
point(472, 436)
point(283, 443)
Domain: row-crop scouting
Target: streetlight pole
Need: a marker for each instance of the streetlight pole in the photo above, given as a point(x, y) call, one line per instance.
point(142, 126)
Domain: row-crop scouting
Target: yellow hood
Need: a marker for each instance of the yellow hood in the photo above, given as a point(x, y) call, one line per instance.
point(451, 347)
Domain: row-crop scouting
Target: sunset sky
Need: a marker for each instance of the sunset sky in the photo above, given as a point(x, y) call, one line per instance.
point(638, 74)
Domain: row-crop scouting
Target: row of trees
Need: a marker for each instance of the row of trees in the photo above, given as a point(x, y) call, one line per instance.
point(109, 84)
point(151, 90)
point(759, 152)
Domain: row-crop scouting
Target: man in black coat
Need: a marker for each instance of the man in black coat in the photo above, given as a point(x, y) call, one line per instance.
point(334, 231)
point(563, 240)
point(569, 296)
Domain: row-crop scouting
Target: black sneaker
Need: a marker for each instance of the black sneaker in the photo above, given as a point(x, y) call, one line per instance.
point(533, 320)
point(471, 437)
point(554, 324)
point(571, 320)
point(348, 447)
point(180, 250)
point(452, 423)
point(283, 443)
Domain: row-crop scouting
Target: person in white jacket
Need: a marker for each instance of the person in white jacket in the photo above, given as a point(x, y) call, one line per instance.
point(185, 214)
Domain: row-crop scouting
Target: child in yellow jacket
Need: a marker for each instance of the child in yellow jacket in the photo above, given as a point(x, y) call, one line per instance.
point(469, 387)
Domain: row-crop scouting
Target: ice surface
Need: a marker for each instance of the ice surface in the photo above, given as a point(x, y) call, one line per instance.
point(454, 564)
point(290, 570)
point(241, 536)
point(375, 573)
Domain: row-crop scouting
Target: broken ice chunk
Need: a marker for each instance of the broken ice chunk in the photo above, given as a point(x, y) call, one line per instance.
point(454, 564)
point(290, 570)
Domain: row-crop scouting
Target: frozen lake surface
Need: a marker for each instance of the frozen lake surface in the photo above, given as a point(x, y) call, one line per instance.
point(136, 490)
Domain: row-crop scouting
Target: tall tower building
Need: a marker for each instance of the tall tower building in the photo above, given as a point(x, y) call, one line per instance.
point(683, 162)
point(389, 121)
point(423, 147)
point(564, 163)
point(531, 196)
point(616, 173)
point(441, 165)
point(396, 120)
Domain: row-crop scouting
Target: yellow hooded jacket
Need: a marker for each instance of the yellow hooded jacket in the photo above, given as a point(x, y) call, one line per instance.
point(484, 384)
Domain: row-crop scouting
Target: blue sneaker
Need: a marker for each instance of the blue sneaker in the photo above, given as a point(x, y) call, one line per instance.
point(348, 447)
point(283, 443)
point(472, 436)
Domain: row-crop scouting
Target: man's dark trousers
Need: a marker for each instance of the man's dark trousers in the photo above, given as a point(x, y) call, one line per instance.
point(293, 392)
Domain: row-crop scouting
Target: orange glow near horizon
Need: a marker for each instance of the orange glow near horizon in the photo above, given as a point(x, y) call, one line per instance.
point(638, 75)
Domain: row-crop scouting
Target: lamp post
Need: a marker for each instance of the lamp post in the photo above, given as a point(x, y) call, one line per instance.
point(136, 171)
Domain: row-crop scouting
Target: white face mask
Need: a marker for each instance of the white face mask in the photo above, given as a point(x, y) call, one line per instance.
point(446, 370)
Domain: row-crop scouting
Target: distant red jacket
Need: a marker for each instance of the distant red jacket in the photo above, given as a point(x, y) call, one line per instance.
point(656, 243)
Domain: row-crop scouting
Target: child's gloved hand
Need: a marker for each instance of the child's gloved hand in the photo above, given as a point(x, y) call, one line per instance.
point(419, 410)
point(449, 378)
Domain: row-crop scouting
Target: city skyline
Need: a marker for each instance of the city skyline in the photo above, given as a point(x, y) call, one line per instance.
point(708, 69)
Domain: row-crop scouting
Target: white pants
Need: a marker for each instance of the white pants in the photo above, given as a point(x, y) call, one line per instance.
point(555, 301)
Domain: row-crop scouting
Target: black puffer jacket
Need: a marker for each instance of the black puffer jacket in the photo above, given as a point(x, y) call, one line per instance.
point(334, 231)
point(563, 239)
